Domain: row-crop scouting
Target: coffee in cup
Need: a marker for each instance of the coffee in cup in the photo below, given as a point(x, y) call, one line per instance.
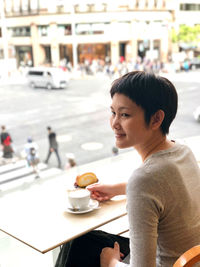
point(79, 199)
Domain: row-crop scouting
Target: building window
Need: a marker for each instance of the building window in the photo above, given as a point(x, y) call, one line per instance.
point(20, 32)
point(52, 7)
point(159, 4)
point(25, 5)
point(190, 7)
point(98, 28)
point(91, 28)
point(65, 29)
point(33, 5)
point(43, 30)
point(43, 4)
point(84, 28)
point(16, 6)
point(8, 6)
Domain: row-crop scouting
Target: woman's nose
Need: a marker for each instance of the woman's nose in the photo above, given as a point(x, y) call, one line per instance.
point(115, 123)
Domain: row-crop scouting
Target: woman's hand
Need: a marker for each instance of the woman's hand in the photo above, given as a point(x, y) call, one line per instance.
point(110, 256)
point(101, 192)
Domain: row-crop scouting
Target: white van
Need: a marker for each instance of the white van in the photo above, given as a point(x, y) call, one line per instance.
point(47, 77)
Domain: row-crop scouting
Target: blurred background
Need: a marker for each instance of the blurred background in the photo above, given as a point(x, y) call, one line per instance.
point(92, 42)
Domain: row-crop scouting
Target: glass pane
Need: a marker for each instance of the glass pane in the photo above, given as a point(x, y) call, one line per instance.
point(16, 5)
point(43, 4)
point(24, 5)
point(34, 4)
point(8, 5)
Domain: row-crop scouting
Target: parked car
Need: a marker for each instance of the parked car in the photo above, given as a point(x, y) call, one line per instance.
point(195, 63)
point(47, 77)
point(197, 114)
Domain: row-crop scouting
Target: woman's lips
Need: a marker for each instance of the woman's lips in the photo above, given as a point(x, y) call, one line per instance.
point(119, 135)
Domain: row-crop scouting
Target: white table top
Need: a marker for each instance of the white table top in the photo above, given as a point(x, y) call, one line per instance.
point(37, 216)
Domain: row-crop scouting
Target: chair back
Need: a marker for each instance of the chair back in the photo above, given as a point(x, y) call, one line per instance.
point(189, 258)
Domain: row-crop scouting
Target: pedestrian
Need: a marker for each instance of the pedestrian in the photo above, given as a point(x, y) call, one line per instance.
point(32, 157)
point(71, 162)
point(53, 146)
point(163, 199)
point(6, 143)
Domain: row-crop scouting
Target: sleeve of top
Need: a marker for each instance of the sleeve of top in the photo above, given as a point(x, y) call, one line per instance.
point(144, 207)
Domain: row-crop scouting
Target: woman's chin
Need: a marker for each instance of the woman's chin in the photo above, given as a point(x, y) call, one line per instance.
point(121, 145)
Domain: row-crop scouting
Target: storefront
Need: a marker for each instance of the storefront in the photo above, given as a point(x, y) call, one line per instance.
point(93, 51)
point(24, 55)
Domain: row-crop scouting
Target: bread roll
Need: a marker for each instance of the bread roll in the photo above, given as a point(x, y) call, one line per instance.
point(86, 179)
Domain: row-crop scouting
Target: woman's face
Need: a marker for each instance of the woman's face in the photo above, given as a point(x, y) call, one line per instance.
point(128, 123)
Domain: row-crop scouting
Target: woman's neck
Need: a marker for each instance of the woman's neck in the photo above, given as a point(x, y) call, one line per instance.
point(158, 143)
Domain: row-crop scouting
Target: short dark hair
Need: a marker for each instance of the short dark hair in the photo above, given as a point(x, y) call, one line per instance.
point(150, 92)
point(48, 128)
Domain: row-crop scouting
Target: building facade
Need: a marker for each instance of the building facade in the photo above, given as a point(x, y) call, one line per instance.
point(40, 32)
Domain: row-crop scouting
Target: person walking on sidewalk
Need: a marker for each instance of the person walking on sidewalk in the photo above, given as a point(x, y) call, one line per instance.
point(31, 151)
point(53, 146)
point(6, 143)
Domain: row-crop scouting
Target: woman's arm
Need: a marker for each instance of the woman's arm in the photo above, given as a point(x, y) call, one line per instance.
point(102, 192)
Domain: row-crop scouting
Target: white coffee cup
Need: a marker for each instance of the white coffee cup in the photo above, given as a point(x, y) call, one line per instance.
point(79, 198)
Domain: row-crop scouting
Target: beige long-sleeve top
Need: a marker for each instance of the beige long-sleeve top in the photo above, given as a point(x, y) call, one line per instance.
point(163, 204)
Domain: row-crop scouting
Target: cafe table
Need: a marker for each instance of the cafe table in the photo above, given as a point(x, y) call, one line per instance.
point(37, 214)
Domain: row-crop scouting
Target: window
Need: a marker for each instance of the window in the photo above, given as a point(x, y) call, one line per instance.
point(20, 31)
point(43, 4)
point(190, 7)
point(16, 6)
point(43, 30)
point(8, 6)
point(37, 73)
point(34, 4)
point(25, 5)
point(98, 28)
point(65, 29)
point(91, 28)
point(52, 6)
point(84, 28)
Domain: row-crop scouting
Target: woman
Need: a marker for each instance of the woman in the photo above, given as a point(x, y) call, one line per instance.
point(163, 199)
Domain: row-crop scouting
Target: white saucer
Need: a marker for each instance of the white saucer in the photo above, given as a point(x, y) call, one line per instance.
point(93, 204)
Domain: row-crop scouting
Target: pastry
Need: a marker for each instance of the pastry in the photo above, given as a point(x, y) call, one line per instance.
point(86, 179)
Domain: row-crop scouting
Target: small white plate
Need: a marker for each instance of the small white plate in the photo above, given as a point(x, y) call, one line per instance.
point(93, 204)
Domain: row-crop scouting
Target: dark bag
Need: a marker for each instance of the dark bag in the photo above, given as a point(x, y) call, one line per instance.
point(85, 250)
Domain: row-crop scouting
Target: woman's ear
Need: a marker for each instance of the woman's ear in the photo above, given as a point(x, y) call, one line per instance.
point(157, 119)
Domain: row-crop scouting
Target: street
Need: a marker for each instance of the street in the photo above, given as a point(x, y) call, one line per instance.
point(80, 116)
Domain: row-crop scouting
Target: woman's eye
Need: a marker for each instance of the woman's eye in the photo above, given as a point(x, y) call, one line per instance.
point(125, 115)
